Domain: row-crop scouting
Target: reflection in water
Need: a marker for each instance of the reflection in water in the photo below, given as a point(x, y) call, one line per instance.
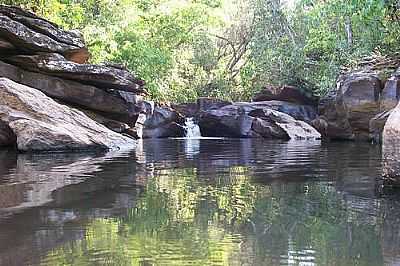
point(219, 202)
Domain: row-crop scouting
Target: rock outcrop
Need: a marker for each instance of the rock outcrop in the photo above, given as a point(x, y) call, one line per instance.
point(202, 104)
point(30, 34)
point(7, 136)
point(162, 122)
point(391, 93)
point(286, 94)
point(349, 109)
point(101, 76)
point(37, 53)
point(41, 124)
point(301, 112)
point(69, 91)
point(306, 113)
point(391, 148)
point(248, 120)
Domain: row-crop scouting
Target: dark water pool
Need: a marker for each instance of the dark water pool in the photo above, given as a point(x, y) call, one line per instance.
point(199, 202)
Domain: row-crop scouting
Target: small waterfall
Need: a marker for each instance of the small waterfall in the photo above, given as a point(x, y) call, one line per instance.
point(192, 129)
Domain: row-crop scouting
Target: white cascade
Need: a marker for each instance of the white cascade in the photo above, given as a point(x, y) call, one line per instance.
point(192, 129)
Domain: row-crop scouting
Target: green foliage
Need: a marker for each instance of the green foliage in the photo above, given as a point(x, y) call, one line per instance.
point(228, 49)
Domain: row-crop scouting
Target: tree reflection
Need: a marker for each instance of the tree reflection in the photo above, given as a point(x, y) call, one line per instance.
point(182, 218)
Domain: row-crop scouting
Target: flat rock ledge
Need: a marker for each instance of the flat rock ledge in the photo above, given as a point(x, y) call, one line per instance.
point(254, 121)
point(41, 124)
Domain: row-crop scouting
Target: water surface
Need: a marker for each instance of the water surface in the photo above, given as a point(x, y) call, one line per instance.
point(199, 202)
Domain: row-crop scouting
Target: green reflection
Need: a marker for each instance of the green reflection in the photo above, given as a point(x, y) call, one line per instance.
point(183, 218)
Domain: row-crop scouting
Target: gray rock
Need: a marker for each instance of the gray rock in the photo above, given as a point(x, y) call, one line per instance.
point(41, 124)
point(163, 122)
point(207, 103)
point(286, 94)
point(348, 110)
point(247, 120)
point(170, 130)
point(301, 112)
point(390, 94)
point(7, 136)
point(104, 77)
point(391, 148)
point(284, 124)
point(33, 34)
point(71, 92)
point(377, 124)
point(6, 46)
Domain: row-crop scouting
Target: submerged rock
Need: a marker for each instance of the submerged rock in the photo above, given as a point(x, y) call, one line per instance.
point(30, 33)
point(101, 76)
point(41, 124)
point(247, 120)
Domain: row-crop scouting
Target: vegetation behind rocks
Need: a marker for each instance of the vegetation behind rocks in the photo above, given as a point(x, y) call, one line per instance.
point(229, 49)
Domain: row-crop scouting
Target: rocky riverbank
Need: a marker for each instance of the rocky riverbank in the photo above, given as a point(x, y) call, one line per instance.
point(51, 98)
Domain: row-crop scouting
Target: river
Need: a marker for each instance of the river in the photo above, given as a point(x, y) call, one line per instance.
point(199, 202)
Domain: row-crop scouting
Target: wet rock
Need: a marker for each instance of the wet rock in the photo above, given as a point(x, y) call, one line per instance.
point(391, 148)
point(284, 126)
point(7, 136)
point(305, 113)
point(206, 103)
point(104, 77)
point(41, 124)
point(6, 46)
point(376, 125)
point(32, 34)
point(163, 122)
point(348, 110)
point(186, 109)
point(114, 125)
point(390, 94)
point(71, 92)
point(170, 130)
point(287, 94)
point(247, 120)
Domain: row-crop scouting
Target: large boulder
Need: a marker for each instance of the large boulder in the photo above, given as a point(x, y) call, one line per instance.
point(6, 47)
point(390, 94)
point(287, 94)
point(301, 112)
point(186, 109)
point(162, 122)
point(245, 120)
point(202, 104)
point(377, 124)
point(101, 76)
point(7, 136)
point(388, 100)
point(41, 124)
point(349, 109)
point(208, 103)
point(391, 148)
point(31, 34)
point(71, 92)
